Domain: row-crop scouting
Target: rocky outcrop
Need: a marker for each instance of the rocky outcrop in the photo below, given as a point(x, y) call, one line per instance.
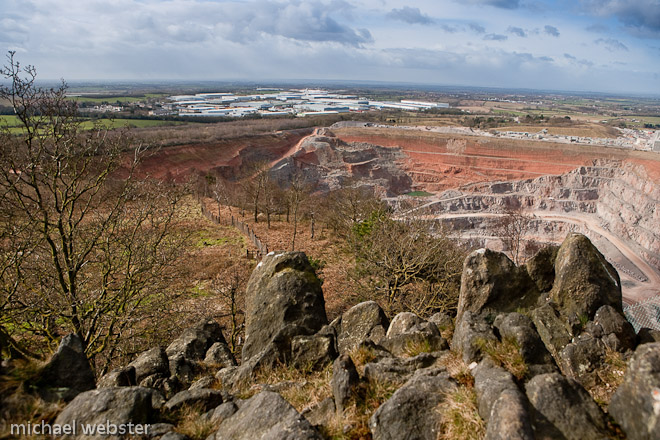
point(363, 322)
point(283, 300)
point(636, 403)
point(68, 372)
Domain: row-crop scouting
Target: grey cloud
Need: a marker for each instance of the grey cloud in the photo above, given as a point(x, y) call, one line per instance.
point(517, 31)
point(477, 28)
point(640, 17)
point(569, 56)
point(503, 4)
point(551, 30)
point(409, 15)
point(496, 37)
point(611, 44)
point(598, 28)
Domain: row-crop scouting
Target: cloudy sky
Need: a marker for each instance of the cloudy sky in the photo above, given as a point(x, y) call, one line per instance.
point(590, 45)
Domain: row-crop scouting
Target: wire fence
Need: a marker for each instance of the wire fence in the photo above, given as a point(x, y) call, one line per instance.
point(644, 314)
point(262, 248)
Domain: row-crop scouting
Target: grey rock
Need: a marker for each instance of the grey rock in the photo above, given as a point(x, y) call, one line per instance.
point(398, 370)
point(442, 320)
point(322, 413)
point(194, 342)
point(203, 399)
point(520, 328)
point(203, 382)
point(181, 368)
point(220, 355)
point(581, 359)
point(563, 409)
point(584, 279)
point(489, 382)
point(345, 380)
point(151, 362)
point(283, 300)
point(541, 268)
point(173, 436)
point(117, 406)
point(648, 335)
point(221, 413)
point(67, 373)
point(409, 334)
point(158, 430)
point(403, 323)
point(491, 282)
point(618, 333)
point(119, 377)
point(313, 352)
point(411, 412)
point(469, 335)
point(363, 322)
point(551, 328)
point(636, 403)
point(265, 416)
point(509, 419)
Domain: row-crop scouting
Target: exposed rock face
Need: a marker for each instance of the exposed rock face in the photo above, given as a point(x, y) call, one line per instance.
point(195, 341)
point(541, 267)
point(636, 403)
point(116, 406)
point(563, 409)
point(265, 416)
point(509, 419)
point(283, 300)
point(68, 372)
point(411, 412)
point(345, 380)
point(470, 334)
point(363, 322)
point(120, 377)
point(491, 282)
point(409, 334)
point(489, 383)
point(202, 399)
point(151, 362)
point(584, 280)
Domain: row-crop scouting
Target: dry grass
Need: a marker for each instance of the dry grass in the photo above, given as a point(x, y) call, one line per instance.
point(459, 417)
point(193, 426)
point(361, 356)
point(457, 369)
point(609, 376)
point(413, 348)
point(506, 353)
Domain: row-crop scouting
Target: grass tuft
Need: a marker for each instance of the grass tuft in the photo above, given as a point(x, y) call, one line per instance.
point(459, 417)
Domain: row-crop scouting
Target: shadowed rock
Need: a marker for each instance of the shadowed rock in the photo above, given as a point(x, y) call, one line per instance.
point(68, 372)
point(363, 322)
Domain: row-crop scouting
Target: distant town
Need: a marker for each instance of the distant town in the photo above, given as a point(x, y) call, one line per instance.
point(278, 102)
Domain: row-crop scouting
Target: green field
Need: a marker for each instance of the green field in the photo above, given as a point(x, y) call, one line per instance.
point(13, 123)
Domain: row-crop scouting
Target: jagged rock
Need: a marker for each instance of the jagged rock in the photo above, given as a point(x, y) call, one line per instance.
point(195, 341)
point(119, 377)
point(409, 334)
point(151, 362)
point(219, 354)
point(203, 399)
point(157, 430)
point(313, 352)
point(67, 373)
point(398, 370)
point(116, 406)
point(648, 335)
point(283, 300)
point(584, 279)
point(411, 412)
point(322, 413)
point(541, 268)
point(636, 403)
point(563, 409)
point(509, 419)
point(174, 436)
point(202, 382)
point(442, 320)
point(220, 413)
point(551, 329)
point(491, 282)
point(265, 416)
point(489, 382)
point(581, 358)
point(617, 333)
point(521, 329)
point(181, 368)
point(363, 322)
point(470, 334)
point(345, 380)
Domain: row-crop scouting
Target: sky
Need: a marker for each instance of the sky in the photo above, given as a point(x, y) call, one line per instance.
point(572, 45)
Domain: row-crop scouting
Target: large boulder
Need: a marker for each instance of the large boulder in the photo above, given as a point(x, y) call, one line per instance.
point(551, 328)
point(584, 280)
point(201, 399)
point(363, 322)
point(151, 362)
point(194, 342)
point(471, 332)
point(283, 300)
point(491, 282)
point(411, 412)
point(636, 403)
point(509, 419)
point(345, 380)
point(121, 412)
point(489, 382)
point(265, 416)
point(409, 335)
point(541, 268)
point(562, 409)
point(68, 372)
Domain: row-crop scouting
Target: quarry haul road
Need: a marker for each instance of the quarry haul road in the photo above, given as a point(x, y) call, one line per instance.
point(631, 295)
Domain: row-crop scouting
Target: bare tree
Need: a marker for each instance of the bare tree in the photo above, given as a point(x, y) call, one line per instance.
point(86, 245)
point(298, 192)
point(230, 288)
point(512, 228)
